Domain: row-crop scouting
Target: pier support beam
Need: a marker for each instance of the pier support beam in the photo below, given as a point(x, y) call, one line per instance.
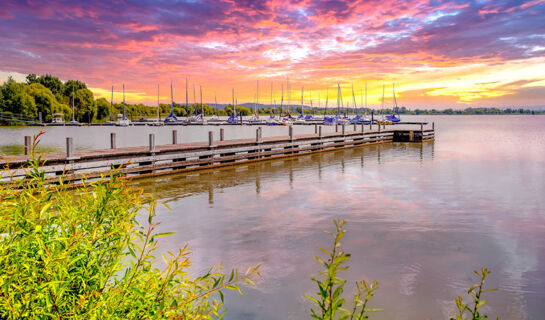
point(222, 134)
point(152, 142)
point(315, 129)
point(291, 133)
point(343, 130)
point(174, 136)
point(320, 132)
point(355, 127)
point(113, 143)
point(28, 143)
point(258, 135)
point(336, 127)
point(210, 139)
point(69, 147)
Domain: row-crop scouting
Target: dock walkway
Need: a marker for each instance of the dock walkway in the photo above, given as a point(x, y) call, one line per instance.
point(157, 160)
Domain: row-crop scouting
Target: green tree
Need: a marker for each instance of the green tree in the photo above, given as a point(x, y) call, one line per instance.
point(17, 100)
point(72, 85)
point(102, 109)
point(84, 105)
point(52, 83)
point(45, 101)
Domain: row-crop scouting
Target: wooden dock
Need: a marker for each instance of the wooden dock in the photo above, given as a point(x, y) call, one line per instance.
point(157, 160)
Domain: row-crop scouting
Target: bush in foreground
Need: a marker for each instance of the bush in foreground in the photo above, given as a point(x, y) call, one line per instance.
point(81, 254)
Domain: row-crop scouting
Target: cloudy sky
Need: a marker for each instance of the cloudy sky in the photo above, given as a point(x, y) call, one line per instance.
point(438, 53)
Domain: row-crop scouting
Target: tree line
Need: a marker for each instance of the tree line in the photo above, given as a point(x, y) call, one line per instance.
point(47, 95)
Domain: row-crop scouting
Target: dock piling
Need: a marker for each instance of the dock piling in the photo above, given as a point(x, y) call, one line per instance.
point(27, 144)
point(336, 127)
point(355, 127)
point(222, 134)
point(258, 135)
point(320, 132)
point(174, 136)
point(291, 132)
point(362, 128)
point(421, 127)
point(113, 144)
point(151, 142)
point(210, 139)
point(315, 129)
point(69, 147)
point(343, 130)
point(433, 125)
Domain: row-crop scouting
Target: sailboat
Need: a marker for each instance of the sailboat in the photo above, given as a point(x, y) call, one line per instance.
point(171, 118)
point(123, 121)
point(394, 117)
point(233, 117)
point(255, 118)
point(328, 120)
point(215, 118)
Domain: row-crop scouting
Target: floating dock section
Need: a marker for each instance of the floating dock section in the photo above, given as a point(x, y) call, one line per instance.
point(155, 160)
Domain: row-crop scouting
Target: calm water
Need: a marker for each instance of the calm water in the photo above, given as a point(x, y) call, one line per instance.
point(420, 217)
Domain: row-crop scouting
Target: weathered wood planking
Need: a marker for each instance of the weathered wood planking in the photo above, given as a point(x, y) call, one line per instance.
point(166, 159)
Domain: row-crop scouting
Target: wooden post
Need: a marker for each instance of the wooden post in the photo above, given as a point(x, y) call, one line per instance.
point(384, 126)
point(222, 134)
point(315, 129)
point(27, 144)
point(343, 129)
point(69, 147)
point(379, 127)
point(258, 135)
point(174, 136)
point(291, 132)
point(113, 144)
point(151, 142)
point(210, 139)
point(240, 118)
point(355, 127)
point(371, 126)
point(421, 127)
point(336, 127)
point(433, 126)
point(320, 132)
point(362, 128)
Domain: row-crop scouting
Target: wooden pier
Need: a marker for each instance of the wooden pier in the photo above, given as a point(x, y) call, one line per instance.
point(154, 160)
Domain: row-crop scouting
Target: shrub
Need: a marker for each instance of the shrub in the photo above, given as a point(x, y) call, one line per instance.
point(82, 254)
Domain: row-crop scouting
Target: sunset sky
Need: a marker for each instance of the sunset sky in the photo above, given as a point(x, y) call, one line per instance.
point(439, 53)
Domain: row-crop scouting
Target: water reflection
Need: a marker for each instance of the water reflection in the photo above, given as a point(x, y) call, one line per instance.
point(421, 217)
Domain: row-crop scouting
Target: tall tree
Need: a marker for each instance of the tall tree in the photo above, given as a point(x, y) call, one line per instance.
point(85, 106)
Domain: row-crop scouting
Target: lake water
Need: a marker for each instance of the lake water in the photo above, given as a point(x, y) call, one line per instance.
point(421, 217)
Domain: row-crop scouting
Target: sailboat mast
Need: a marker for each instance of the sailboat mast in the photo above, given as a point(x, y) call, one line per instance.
point(382, 106)
point(124, 117)
point(271, 96)
point(395, 100)
point(73, 98)
point(256, 98)
point(234, 108)
point(112, 104)
point(326, 100)
point(158, 105)
point(302, 108)
point(186, 100)
point(282, 100)
point(354, 98)
point(338, 98)
point(202, 107)
point(171, 98)
point(216, 104)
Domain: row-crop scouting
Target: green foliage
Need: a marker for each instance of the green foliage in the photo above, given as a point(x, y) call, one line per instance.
point(329, 298)
point(82, 254)
point(46, 103)
point(102, 107)
point(17, 100)
point(86, 109)
point(476, 291)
